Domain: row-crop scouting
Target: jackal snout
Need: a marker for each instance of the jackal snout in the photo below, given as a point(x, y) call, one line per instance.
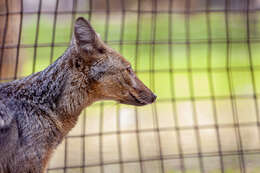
point(110, 74)
point(139, 94)
point(140, 97)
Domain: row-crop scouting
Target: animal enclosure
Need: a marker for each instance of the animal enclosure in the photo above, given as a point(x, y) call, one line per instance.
point(201, 58)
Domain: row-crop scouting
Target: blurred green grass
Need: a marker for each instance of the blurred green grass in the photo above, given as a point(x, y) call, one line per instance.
point(158, 57)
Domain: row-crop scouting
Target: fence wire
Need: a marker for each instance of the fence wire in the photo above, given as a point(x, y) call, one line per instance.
point(201, 58)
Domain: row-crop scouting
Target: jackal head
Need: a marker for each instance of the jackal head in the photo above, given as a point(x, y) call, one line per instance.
point(110, 75)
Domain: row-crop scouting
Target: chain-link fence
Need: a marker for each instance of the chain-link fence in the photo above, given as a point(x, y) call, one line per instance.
point(201, 58)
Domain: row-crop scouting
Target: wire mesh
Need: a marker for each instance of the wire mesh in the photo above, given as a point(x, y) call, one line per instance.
point(201, 57)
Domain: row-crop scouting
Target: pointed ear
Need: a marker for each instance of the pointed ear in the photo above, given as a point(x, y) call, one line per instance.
point(85, 35)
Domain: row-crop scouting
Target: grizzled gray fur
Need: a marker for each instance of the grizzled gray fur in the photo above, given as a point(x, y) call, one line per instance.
point(38, 111)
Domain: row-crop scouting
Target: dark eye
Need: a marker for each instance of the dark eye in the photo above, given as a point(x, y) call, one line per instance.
point(101, 50)
point(130, 70)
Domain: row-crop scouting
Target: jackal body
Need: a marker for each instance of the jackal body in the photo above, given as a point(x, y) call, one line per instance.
point(38, 111)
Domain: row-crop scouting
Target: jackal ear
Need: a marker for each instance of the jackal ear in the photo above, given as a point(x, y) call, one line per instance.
point(85, 35)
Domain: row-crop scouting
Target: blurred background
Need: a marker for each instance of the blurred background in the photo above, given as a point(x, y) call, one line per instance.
point(201, 58)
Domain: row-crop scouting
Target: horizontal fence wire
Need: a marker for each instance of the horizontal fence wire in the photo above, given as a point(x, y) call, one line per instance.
point(201, 58)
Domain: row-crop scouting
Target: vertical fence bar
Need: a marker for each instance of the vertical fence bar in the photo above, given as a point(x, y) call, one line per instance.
point(122, 29)
point(54, 30)
point(171, 79)
point(107, 21)
point(4, 36)
point(83, 142)
point(90, 10)
point(152, 83)
point(101, 156)
point(190, 74)
point(211, 85)
point(37, 35)
point(85, 113)
point(73, 16)
point(102, 104)
point(230, 85)
point(19, 40)
point(138, 137)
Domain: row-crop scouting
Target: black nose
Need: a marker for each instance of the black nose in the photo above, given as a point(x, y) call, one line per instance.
point(153, 98)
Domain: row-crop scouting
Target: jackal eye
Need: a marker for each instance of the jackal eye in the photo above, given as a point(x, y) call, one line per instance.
point(130, 70)
point(101, 50)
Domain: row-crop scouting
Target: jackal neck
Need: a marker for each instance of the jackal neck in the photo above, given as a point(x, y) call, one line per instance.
point(57, 89)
